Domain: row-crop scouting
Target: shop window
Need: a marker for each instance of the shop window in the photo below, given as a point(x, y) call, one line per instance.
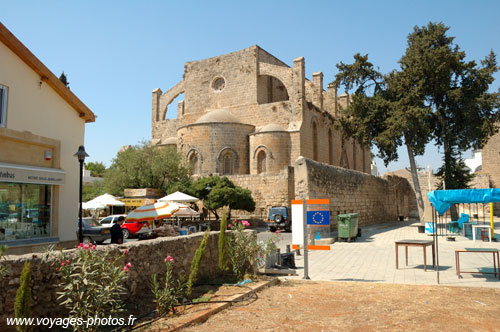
point(3, 105)
point(261, 162)
point(24, 211)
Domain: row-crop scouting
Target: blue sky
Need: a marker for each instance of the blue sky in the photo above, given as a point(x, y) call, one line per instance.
point(116, 52)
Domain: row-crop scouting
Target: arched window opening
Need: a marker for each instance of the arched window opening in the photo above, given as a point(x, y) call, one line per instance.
point(270, 90)
point(194, 162)
point(261, 162)
point(227, 164)
point(172, 108)
point(315, 140)
point(330, 147)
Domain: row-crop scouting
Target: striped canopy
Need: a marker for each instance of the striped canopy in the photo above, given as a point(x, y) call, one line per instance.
point(154, 211)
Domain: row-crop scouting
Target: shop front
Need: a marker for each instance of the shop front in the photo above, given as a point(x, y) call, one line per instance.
point(27, 204)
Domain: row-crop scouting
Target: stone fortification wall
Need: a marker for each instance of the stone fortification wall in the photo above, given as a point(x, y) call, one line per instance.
point(375, 199)
point(147, 257)
point(267, 190)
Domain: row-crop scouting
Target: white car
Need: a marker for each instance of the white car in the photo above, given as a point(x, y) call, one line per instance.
point(110, 220)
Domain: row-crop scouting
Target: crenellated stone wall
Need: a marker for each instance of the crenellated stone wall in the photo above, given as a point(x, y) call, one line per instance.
point(147, 257)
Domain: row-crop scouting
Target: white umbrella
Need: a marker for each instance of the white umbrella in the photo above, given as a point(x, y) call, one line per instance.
point(93, 205)
point(178, 197)
point(107, 199)
point(185, 211)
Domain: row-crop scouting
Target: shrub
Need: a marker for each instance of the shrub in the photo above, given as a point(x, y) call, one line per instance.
point(3, 268)
point(195, 263)
point(22, 305)
point(223, 242)
point(92, 283)
point(245, 251)
point(168, 295)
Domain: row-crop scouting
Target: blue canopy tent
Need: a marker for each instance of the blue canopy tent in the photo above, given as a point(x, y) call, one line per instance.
point(442, 200)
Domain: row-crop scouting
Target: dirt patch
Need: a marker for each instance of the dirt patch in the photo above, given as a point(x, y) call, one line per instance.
point(349, 306)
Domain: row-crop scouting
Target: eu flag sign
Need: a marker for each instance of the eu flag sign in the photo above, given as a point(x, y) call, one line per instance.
point(318, 218)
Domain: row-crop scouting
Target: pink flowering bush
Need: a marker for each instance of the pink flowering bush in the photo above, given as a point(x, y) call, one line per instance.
point(245, 252)
point(92, 282)
point(168, 294)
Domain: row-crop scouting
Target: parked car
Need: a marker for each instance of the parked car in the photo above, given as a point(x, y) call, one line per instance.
point(135, 228)
point(93, 232)
point(279, 218)
point(110, 220)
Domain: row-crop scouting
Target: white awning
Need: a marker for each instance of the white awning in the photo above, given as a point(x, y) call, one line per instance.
point(31, 174)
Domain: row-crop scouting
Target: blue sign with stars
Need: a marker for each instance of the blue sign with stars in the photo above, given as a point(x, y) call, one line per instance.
point(319, 218)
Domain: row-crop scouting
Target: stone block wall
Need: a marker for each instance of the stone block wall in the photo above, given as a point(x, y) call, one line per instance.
point(147, 257)
point(491, 159)
point(210, 140)
point(239, 71)
point(376, 200)
point(267, 190)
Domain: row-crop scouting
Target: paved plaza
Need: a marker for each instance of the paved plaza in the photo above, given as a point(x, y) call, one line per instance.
point(372, 258)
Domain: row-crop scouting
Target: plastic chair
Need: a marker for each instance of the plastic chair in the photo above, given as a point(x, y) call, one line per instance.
point(456, 226)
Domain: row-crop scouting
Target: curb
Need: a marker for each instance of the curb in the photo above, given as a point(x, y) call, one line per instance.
point(217, 307)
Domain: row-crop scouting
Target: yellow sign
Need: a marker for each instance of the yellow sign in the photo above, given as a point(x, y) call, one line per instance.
point(137, 201)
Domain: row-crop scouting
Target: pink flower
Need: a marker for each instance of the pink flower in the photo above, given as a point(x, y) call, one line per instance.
point(229, 226)
point(128, 265)
point(67, 262)
point(125, 268)
point(80, 245)
point(125, 252)
point(245, 223)
point(85, 246)
point(278, 231)
point(62, 263)
point(93, 247)
point(169, 259)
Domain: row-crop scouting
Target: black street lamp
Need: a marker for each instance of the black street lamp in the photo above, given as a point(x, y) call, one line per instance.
point(208, 188)
point(81, 154)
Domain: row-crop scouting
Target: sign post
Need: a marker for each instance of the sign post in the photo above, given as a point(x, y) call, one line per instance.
point(304, 225)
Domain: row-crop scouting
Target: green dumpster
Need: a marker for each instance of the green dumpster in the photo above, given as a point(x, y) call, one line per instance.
point(347, 226)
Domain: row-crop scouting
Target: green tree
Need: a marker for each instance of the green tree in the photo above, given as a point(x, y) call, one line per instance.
point(22, 305)
point(92, 190)
point(458, 173)
point(435, 95)
point(463, 112)
point(223, 193)
point(145, 166)
point(96, 168)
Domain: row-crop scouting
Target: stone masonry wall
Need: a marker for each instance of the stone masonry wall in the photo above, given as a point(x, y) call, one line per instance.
point(376, 200)
point(490, 155)
point(267, 190)
point(147, 257)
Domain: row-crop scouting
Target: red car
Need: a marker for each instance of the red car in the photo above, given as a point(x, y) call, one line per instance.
point(135, 228)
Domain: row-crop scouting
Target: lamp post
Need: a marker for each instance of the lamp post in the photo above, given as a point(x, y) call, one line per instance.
point(208, 188)
point(80, 154)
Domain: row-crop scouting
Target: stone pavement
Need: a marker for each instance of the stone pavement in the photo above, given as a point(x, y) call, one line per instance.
point(372, 258)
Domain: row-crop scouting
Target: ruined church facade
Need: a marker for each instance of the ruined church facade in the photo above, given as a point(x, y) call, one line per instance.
point(249, 116)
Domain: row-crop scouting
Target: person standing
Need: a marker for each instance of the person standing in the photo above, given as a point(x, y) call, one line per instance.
point(116, 231)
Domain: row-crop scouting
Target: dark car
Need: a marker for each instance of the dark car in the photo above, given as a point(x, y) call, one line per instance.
point(279, 218)
point(93, 232)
